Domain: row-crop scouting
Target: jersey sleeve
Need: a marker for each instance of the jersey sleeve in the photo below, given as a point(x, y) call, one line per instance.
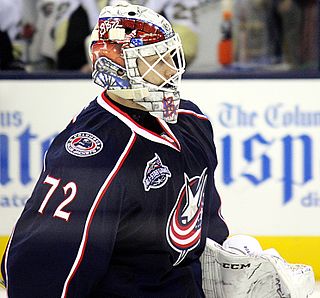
point(218, 229)
point(63, 241)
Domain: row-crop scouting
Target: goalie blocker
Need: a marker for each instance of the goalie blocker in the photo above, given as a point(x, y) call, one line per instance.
point(262, 274)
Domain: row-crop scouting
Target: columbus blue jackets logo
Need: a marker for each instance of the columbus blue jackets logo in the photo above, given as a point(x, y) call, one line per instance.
point(155, 174)
point(185, 221)
point(83, 144)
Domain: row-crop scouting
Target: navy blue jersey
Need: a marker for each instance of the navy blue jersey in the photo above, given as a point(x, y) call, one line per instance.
point(122, 208)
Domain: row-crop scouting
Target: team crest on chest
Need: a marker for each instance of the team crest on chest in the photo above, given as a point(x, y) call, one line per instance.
point(83, 144)
point(155, 174)
point(184, 224)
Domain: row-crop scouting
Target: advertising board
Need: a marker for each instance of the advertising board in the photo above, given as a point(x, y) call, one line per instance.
point(267, 138)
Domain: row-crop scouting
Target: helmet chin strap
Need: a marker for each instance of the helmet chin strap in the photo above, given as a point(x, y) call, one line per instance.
point(133, 94)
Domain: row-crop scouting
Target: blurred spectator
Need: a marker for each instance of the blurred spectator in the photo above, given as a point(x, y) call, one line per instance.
point(310, 34)
point(250, 31)
point(276, 34)
point(72, 53)
point(298, 26)
point(285, 23)
point(61, 27)
point(10, 17)
point(266, 34)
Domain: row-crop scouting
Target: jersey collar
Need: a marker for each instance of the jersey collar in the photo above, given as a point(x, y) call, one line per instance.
point(167, 139)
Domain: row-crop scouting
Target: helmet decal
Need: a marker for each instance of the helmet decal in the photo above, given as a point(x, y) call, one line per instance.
point(169, 107)
point(145, 33)
point(103, 49)
point(110, 78)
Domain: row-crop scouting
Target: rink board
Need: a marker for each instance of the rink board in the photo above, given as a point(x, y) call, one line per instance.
point(294, 249)
point(267, 139)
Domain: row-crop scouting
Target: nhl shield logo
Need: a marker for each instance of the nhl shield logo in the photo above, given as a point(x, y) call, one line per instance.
point(155, 174)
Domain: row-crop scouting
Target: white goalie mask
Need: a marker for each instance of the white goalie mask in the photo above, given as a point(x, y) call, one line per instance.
point(127, 46)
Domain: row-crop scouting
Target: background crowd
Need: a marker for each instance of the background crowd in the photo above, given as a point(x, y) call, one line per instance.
point(47, 35)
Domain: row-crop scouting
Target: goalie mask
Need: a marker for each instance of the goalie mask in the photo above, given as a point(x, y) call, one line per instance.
point(136, 55)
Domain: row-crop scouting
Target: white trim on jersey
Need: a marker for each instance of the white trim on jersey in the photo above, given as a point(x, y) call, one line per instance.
point(6, 261)
point(139, 129)
point(91, 214)
point(200, 116)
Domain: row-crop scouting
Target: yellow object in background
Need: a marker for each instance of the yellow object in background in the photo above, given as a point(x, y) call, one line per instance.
point(3, 244)
point(294, 249)
point(190, 41)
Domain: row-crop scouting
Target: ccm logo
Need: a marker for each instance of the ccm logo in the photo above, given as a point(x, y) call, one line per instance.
point(235, 266)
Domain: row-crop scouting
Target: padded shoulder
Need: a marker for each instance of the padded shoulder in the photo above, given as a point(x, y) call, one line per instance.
point(189, 105)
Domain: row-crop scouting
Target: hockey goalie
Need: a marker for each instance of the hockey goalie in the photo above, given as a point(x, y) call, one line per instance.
point(241, 269)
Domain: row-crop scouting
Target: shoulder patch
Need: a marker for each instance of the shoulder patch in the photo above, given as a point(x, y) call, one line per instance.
point(83, 144)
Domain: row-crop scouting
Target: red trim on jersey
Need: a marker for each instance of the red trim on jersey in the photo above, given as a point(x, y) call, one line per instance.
point(189, 245)
point(189, 112)
point(90, 217)
point(174, 141)
point(165, 127)
point(184, 236)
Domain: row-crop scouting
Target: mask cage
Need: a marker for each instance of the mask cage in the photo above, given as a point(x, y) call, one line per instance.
point(172, 47)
